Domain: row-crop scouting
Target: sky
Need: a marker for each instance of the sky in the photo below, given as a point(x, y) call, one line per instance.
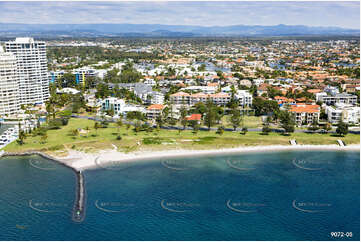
point(335, 13)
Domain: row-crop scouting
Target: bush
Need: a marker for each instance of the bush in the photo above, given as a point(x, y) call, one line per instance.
point(266, 129)
point(342, 129)
point(20, 142)
point(244, 130)
point(151, 141)
point(64, 121)
point(55, 124)
point(220, 130)
point(56, 147)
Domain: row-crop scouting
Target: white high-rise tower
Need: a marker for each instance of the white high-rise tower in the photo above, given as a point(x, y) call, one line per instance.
point(32, 69)
point(9, 84)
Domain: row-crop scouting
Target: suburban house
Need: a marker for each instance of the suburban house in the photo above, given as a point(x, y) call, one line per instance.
point(194, 117)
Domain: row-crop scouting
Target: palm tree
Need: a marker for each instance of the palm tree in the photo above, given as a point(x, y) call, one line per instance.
point(43, 138)
point(119, 124)
point(21, 137)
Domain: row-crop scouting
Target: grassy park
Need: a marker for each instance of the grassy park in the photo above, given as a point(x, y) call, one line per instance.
point(60, 140)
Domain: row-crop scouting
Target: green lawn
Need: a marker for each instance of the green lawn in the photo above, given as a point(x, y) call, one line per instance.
point(248, 121)
point(60, 140)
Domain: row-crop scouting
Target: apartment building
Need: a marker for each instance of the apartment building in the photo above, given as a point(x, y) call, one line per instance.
point(305, 113)
point(154, 110)
point(32, 69)
point(9, 85)
point(180, 98)
point(155, 98)
point(244, 98)
point(336, 98)
point(204, 89)
point(343, 112)
point(119, 106)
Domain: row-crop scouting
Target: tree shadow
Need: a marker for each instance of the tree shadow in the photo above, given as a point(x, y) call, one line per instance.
point(286, 134)
point(337, 135)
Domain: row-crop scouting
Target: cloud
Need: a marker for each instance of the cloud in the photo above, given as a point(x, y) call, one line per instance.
point(342, 14)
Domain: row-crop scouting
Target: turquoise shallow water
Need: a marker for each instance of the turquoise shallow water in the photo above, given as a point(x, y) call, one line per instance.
point(291, 195)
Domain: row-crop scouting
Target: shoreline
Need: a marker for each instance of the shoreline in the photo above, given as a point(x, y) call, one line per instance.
point(83, 161)
point(80, 161)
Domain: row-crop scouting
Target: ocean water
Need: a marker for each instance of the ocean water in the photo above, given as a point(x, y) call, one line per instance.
point(289, 195)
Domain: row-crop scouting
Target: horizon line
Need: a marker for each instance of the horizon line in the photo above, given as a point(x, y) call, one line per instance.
point(189, 25)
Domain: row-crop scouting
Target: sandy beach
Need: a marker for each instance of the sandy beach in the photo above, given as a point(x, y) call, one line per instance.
point(81, 161)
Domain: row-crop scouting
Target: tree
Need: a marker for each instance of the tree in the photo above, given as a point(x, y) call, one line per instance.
point(287, 121)
point(200, 108)
point(137, 126)
point(314, 126)
point(74, 132)
point(96, 127)
point(183, 116)
point(328, 126)
point(159, 120)
point(266, 129)
point(22, 137)
point(263, 107)
point(244, 130)
point(210, 115)
point(195, 125)
point(111, 111)
point(43, 138)
point(202, 67)
point(119, 124)
point(220, 130)
point(342, 128)
point(127, 127)
point(235, 118)
point(50, 109)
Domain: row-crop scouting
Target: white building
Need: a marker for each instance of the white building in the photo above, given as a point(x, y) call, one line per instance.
point(32, 69)
point(156, 98)
point(182, 98)
point(204, 89)
point(119, 106)
point(68, 90)
point(150, 82)
point(347, 113)
point(331, 90)
point(9, 86)
point(337, 98)
point(258, 82)
point(244, 98)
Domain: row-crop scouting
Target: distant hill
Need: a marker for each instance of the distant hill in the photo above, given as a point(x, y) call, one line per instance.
point(75, 30)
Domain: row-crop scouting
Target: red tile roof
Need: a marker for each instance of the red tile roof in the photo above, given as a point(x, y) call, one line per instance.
point(196, 117)
point(156, 106)
point(180, 94)
point(301, 108)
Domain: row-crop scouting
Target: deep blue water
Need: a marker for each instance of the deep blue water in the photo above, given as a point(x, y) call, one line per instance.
point(292, 195)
